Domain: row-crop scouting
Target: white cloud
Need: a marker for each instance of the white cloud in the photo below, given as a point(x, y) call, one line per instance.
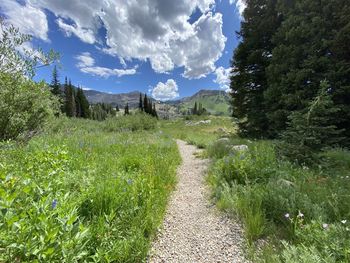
point(85, 60)
point(165, 91)
point(28, 19)
point(86, 64)
point(156, 30)
point(240, 5)
point(223, 78)
point(86, 35)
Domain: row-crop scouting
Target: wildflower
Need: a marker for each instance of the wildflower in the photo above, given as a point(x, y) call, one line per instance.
point(287, 215)
point(54, 204)
point(325, 226)
point(129, 181)
point(300, 214)
point(347, 177)
point(343, 221)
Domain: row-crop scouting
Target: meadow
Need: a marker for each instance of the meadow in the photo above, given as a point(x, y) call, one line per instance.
point(85, 191)
point(289, 213)
point(88, 191)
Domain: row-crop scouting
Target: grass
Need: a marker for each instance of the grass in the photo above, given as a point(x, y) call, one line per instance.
point(302, 213)
point(85, 191)
point(199, 134)
point(88, 191)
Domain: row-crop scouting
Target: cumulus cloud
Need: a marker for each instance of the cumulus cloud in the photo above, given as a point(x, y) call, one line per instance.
point(240, 5)
point(159, 31)
point(86, 64)
point(28, 19)
point(165, 91)
point(223, 78)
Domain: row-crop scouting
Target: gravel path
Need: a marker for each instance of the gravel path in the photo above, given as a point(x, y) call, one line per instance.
point(193, 230)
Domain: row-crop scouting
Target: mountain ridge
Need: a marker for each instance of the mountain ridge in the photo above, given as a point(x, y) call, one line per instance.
point(215, 101)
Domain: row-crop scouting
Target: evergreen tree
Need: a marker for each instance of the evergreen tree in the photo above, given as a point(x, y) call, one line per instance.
point(141, 103)
point(69, 103)
point(126, 109)
point(250, 60)
point(311, 129)
point(149, 106)
point(195, 110)
point(117, 108)
point(145, 104)
point(55, 83)
point(83, 109)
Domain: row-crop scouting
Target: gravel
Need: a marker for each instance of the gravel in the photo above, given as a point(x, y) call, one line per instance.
point(193, 230)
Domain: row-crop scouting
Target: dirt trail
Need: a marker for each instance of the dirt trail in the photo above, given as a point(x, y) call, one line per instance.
point(193, 230)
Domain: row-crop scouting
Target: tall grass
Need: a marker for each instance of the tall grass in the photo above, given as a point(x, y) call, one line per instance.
point(85, 191)
point(303, 211)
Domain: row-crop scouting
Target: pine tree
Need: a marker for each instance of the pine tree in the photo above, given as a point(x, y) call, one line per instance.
point(250, 60)
point(200, 109)
point(141, 103)
point(126, 109)
point(145, 104)
point(195, 110)
point(149, 106)
point(83, 108)
point(55, 83)
point(117, 108)
point(312, 129)
point(69, 101)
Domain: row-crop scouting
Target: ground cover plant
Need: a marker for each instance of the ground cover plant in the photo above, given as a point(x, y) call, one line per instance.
point(302, 213)
point(82, 192)
point(198, 130)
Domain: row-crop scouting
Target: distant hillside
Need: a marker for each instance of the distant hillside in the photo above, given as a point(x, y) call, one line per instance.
point(121, 99)
point(215, 101)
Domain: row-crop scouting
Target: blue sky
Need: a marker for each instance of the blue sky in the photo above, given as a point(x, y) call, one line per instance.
point(167, 48)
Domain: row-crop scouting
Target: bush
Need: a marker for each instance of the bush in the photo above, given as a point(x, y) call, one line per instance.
point(24, 106)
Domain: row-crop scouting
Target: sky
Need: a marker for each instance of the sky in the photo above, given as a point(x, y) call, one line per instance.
point(168, 49)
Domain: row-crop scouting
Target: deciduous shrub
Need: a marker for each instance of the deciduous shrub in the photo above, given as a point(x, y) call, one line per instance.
point(24, 106)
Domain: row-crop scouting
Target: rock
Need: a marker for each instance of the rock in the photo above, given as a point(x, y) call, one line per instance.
point(223, 140)
point(221, 130)
point(240, 148)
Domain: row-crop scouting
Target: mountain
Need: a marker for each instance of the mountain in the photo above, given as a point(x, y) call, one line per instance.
point(215, 101)
point(120, 99)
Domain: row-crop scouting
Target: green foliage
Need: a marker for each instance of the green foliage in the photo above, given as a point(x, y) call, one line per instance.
point(55, 83)
point(80, 193)
point(82, 104)
point(135, 122)
point(198, 110)
point(15, 58)
point(101, 111)
point(24, 106)
point(282, 201)
point(268, 87)
point(251, 58)
point(311, 131)
point(70, 107)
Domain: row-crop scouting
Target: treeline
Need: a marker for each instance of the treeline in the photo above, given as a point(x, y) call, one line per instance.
point(198, 109)
point(292, 69)
point(74, 102)
point(146, 106)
